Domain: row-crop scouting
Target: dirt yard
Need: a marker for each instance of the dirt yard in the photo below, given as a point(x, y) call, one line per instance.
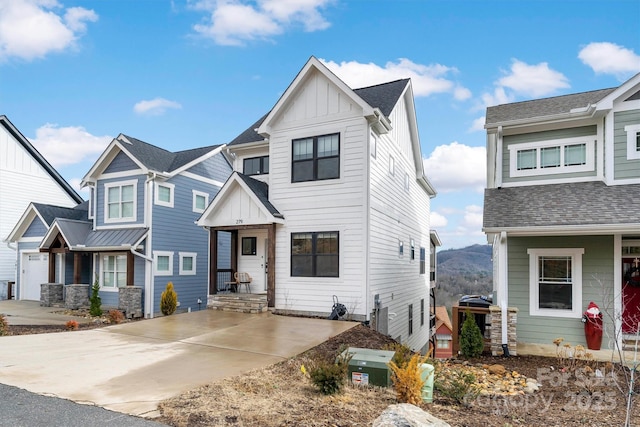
point(281, 395)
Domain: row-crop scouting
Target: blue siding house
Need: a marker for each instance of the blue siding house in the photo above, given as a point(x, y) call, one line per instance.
point(138, 229)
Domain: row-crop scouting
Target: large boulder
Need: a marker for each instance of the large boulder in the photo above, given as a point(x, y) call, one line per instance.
point(407, 415)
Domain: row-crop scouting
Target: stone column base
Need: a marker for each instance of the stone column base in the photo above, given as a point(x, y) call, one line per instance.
point(496, 330)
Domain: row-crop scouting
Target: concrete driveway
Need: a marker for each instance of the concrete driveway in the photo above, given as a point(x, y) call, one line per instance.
point(131, 367)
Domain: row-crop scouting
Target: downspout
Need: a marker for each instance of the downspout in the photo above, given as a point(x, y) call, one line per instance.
point(148, 266)
point(15, 273)
point(498, 174)
point(503, 291)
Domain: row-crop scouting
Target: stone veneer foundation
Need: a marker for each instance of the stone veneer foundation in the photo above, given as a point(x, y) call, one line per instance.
point(496, 330)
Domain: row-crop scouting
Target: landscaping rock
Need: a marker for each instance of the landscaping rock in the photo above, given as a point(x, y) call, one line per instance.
point(496, 369)
point(407, 415)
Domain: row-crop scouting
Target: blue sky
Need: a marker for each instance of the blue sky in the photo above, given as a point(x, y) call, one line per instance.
point(187, 73)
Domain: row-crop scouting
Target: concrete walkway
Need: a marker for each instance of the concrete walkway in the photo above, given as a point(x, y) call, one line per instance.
point(31, 313)
point(131, 367)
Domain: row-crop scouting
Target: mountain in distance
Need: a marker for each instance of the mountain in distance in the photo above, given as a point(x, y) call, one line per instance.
point(469, 260)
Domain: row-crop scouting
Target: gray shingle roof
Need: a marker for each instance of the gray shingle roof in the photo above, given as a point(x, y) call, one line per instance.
point(543, 107)
point(261, 190)
point(383, 96)
point(570, 204)
point(50, 212)
point(161, 160)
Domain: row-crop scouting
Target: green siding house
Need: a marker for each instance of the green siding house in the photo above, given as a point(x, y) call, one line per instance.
point(562, 210)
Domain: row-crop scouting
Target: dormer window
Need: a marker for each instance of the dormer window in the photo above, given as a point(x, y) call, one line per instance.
point(633, 141)
point(256, 166)
point(120, 205)
point(552, 157)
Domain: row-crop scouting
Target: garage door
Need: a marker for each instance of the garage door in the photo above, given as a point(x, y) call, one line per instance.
point(35, 271)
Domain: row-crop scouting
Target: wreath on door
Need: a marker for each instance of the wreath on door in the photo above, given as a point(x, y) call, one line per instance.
point(632, 277)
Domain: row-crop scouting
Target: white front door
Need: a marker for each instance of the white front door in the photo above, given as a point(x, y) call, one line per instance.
point(252, 257)
point(35, 271)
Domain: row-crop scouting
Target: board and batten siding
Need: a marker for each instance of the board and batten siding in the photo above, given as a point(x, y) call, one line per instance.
point(398, 215)
point(175, 231)
point(589, 132)
point(623, 168)
point(320, 108)
point(597, 269)
point(22, 181)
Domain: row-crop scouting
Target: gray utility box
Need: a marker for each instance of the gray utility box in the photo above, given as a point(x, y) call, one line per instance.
point(369, 367)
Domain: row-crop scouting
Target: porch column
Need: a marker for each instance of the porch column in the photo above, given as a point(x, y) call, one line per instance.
point(130, 268)
point(271, 265)
point(52, 267)
point(234, 252)
point(213, 262)
point(77, 267)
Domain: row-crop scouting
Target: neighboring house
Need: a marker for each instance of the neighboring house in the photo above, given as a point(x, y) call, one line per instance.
point(25, 177)
point(328, 198)
point(444, 347)
point(562, 209)
point(139, 226)
point(434, 243)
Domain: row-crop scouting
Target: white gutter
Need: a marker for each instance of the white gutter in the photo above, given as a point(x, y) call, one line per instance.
point(563, 230)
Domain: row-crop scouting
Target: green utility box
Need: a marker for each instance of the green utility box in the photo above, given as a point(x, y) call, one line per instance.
point(369, 367)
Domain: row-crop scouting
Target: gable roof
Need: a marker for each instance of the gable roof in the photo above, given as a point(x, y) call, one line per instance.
point(383, 96)
point(47, 214)
point(261, 190)
point(35, 154)
point(151, 158)
point(546, 107)
point(442, 317)
point(565, 207)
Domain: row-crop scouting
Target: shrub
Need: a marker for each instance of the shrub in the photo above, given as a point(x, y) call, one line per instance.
point(115, 316)
point(328, 377)
point(95, 309)
point(71, 325)
point(402, 353)
point(471, 341)
point(168, 300)
point(4, 325)
point(407, 380)
point(456, 384)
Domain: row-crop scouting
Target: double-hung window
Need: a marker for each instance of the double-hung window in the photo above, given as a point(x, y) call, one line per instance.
point(423, 260)
point(566, 155)
point(256, 165)
point(555, 282)
point(120, 201)
point(316, 158)
point(114, 271)
point(315, 254)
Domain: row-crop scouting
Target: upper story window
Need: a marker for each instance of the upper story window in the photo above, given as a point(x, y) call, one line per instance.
point(256, 166)
point(200, 201)
point(550, 157)
point(373, 142)
point(423, 260)
point(120, 203)
point(164, 194)
point(633, 141)
point(316, 158)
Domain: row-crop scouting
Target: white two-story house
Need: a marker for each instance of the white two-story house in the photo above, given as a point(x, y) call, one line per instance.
point(328, 198)
point(562, 209)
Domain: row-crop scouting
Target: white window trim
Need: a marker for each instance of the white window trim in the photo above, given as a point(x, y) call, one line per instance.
point(392, 166)
point(171, 188)
point(632, 151)
point(101, 258)
point(206, 200)
point(184, 255)
point(107, 186)
point(157, 254)
point(576, 274)
point(587, 167)
point(373, 145)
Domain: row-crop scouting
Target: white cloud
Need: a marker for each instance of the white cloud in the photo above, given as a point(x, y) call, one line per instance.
point(234, 22)
point(155, 107)
point(426, 79)
point(478, 124)
point(82, 191)
point(457, 167)
point(472, 218)
point(31, 29)
point(438, 220)
point(609, 58)
point(533, 80)
point(63, 146)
